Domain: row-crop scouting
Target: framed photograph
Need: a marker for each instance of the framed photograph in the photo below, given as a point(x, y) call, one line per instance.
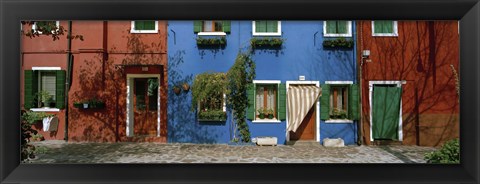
point(239, 91)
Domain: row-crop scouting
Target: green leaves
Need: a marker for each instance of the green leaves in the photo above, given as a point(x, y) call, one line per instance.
point(212, 115)
point(211, 41)
point(448, 154)
point(266, 42)
point(338, 43)
point(206, 85)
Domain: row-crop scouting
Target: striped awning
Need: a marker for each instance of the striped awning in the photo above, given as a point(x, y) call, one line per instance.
point(299, 101)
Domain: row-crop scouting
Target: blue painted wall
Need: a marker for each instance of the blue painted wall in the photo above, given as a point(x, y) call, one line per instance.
point(302, 53)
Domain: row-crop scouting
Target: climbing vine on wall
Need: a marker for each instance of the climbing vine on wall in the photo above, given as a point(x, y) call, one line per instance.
point(238, 77)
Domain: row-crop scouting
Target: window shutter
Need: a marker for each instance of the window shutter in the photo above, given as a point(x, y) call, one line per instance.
point(353, 100)
point(148, 25)
point(325, 102)
point(197, 26)
point(282, 102)
point(260, 26)
point(60, 89)
point(251, 101)
point(226, 26)
point(139, 25)
point(30, 88)
point(388, 26)
point(342, 27)
point(378, 26)
point(272, 26)
point(331, 27)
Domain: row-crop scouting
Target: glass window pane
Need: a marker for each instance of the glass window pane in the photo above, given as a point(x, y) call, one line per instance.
point(218, 26)
point(207, 26)
point(259, 98)
point(48, 81)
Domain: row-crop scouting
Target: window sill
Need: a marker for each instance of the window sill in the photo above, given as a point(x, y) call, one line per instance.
point(385, 34)
point(266, 121)
point(212, 34)
point(45, 110)
point(144, 31)
point(338, 121)
point(267, 34)
point(337, 35)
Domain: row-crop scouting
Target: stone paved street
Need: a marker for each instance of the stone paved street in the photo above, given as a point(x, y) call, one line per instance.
point(61, 152)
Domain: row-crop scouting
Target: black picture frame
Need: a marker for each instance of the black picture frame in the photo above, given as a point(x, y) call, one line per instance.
point(12, 12)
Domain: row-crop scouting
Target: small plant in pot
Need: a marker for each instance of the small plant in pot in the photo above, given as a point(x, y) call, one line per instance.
point(176, 90)
point(185, 87)
point(269, 113)
point(261, 113)
point(44, 97)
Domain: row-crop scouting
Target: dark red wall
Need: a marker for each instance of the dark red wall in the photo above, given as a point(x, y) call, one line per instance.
point(423, 55)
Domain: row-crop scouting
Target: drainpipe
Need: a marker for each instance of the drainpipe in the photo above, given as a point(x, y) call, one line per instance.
point(67, 80)
point(360, 85)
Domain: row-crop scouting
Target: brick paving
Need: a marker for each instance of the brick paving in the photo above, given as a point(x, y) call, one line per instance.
point(125, 152)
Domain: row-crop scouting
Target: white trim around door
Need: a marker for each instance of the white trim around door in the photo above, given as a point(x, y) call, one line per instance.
point(130, 119)
point(370, 87)
point(317, 113)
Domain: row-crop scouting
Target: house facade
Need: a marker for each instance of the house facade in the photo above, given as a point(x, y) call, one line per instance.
point(118, 71)
point(292, 60)
point(409, 73)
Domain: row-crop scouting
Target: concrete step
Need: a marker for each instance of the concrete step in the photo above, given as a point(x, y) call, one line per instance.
point(302, 143)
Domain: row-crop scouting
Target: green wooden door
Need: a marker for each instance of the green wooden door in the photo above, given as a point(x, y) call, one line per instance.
point(386, 112)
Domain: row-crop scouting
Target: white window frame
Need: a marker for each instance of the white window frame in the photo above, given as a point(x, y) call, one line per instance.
point(45, 109)
point(255, 82)
point(133, 30)
point(34, 27)
point(212, 33)
point(349, 30)
point(339, 120)
point(395, 30)
point(278, 33)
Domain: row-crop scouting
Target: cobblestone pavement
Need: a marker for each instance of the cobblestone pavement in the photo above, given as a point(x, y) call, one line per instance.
point(61, 152)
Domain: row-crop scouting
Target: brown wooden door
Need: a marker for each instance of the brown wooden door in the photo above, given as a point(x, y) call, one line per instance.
point(145, 108)
point(306, 130)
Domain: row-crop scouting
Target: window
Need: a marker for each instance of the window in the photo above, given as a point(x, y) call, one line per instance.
point(267, 101)
point(211, 27)
point(339, 101)
point(44, 88)
point(266, 28)
point(212, 108)
point(384, 28)
point(51, 26)
point(337, 28)
point(148, 26)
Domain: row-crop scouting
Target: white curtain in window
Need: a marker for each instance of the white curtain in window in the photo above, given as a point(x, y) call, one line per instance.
point(48, 83)
point(207, 25)
point(259, 99)
point(270, 98)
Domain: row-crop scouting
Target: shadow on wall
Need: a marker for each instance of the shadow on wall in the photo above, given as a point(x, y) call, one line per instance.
point(182, 124)
point(422, 56)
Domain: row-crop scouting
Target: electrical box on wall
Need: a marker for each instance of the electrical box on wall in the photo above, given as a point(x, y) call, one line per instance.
point(301, 77)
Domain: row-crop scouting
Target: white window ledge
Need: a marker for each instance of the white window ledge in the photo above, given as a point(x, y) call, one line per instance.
point(266, 121)
point(385, 34)
point(45, 109)
point(212, 34)
point(339, 121)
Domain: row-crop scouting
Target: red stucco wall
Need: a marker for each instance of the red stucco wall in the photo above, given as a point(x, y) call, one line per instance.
point(99, 71)
point(421, 55)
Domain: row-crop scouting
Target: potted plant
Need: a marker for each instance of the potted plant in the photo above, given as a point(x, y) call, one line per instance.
point(261, 113)
point(44, 97)
point(176, 89)
point(270, 113)
point(185, 87)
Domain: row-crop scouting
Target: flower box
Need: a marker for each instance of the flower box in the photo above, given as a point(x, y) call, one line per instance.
point(212, 115)
point(338, 43)
point(266, 42)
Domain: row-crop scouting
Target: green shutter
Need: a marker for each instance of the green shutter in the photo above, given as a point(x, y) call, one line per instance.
point(272, 26)
point(282, 102)
point(378, 26)
point(139, 25)
point(251, 101)
point(387, 26)
point(60, 89)
point(325, 102)
point(331, 27)
point(353, 102)
point(149, 25)
point(342, 27)
point(226, 26)
point(197, 26)
point(30, 88)
point(260, 26)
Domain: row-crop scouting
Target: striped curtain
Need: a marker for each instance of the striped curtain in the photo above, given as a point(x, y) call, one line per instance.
point(300, 99)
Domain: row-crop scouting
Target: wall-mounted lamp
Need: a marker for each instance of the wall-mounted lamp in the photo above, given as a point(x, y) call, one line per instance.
point(365, 53)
